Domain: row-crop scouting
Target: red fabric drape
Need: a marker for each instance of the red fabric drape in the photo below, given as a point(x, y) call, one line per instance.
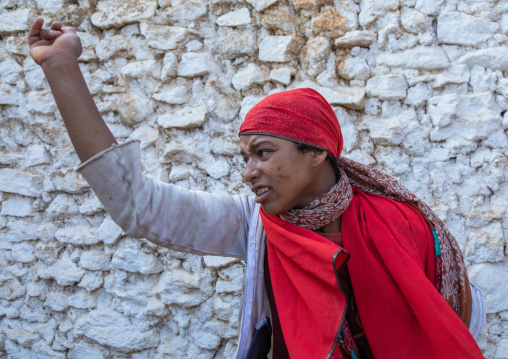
point(392, 272)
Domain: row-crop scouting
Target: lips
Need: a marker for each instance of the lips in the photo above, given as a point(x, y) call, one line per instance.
point(261, 193)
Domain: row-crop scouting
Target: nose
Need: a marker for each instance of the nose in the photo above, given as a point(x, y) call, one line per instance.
point(251, 170)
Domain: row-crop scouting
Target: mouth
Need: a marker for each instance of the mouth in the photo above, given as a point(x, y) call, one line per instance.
point(261, 193)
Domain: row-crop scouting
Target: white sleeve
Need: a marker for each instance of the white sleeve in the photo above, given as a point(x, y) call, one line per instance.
point(187, 221)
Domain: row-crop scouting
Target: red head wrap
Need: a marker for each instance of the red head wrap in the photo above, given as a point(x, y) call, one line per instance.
point(300, 115)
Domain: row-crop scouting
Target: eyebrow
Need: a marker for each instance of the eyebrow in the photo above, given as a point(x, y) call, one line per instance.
point(255, 145)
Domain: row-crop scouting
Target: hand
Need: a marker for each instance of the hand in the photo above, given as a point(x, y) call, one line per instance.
point(53, 43)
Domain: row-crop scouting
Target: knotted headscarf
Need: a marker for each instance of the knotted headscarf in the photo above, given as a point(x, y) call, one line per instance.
point(382, 252)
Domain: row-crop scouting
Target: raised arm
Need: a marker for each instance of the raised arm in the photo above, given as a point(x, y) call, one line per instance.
point(56, 50)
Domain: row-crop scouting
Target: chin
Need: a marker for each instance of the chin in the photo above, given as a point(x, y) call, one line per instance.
point(271, 210)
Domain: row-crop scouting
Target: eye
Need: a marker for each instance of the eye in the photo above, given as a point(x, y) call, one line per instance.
point(263, 153)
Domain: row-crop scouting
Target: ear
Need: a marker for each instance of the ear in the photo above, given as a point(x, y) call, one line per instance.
point(319, 156)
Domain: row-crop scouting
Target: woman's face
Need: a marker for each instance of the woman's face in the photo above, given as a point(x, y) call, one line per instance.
point(281, 176)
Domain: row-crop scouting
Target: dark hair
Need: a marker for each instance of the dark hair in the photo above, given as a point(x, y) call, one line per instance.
point(333, 162)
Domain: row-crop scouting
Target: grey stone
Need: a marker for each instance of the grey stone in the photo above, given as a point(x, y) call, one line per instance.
point(235, 18)
point(462, 29)
point(314, 55)
point(235, 43)
point(196, 64)
point(354, 38)
point(119, 13)
point(108, 327)
point(163, 37)
point(420, 57)
point(223, 103)
point(21, 182)
point(281, 75)
point(493, 58)
point(278, 48)
point(353, 68)
point(186, 11)
point(387, 87)
point(261, 5)
point(16, 20)
point(186, 118)
point(18, 207)
point(248, 77)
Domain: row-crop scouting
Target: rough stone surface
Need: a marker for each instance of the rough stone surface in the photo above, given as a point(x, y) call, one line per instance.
point(277, 48)
point(419, 87)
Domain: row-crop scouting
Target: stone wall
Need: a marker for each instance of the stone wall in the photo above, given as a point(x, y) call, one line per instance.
point(420, 88)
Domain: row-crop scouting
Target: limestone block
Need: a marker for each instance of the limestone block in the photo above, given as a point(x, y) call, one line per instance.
point(248, 77)
point(206, 339)
point(112, 47)
point(278, 48)
point(64, 271)
point(414, 21)
point(91, 206)
point(23, 337)
point(131, 258)
point(186, 118)
point(235, 18)
point(10, 95)
point(419, 57)
point(387, 87)
point(17, 45)
point(63, 206)
point(196, 64)
point(503, 23)
point(472, 117)
point(36, 155)
point(235, 43)
point(21, 182)
point(373, 9)
point(108, 327)
point(184, 288)
point(145, 134)
point(502, 87)
point(118, 13)
point(169, 66)
point(362, 38)
point(348, 96)
point(182, 172)
point(17, 20)
point(391, 130)
point(486, 244)
point(34, 76)
point(215, 167)
point(174, 94)
point(429, 7)
point(23, 252)
point(219, 262)
point(36, 289)
point(491, 278)
point(418, 94)
point(11, 288)
point(314, 55)
point(261, 5)
point(308, 5)
point(10, 158)
point(189, 10)
point(497, 140)
point(163, 37)
point(50, 6)
point(462, 29)
point(193, 45)
point(140, 69)
point(18, 207)
point(94, 260)
point(86, 351)
point(82, 299)
point(91, 281)
point(134, 107)
point(282, 75)
point(248, 102)
point(352, 68)
point(279, 21)
point(109, 232)
point(41, 102)
point(331, 23)
point(222, 102)
point(495, 58)
point(88, 43)
point(78, 235)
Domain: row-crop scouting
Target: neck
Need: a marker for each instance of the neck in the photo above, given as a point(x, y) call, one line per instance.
point(332, 227)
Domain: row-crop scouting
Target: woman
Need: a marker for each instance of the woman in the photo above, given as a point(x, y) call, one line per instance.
point(347, 262)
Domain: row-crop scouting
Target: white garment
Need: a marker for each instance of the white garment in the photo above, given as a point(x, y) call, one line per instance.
point(195, 222)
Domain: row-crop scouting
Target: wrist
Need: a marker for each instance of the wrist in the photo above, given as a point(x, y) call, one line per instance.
point(59, 62)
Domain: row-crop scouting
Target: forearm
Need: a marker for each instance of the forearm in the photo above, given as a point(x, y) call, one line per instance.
point(87, 130)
